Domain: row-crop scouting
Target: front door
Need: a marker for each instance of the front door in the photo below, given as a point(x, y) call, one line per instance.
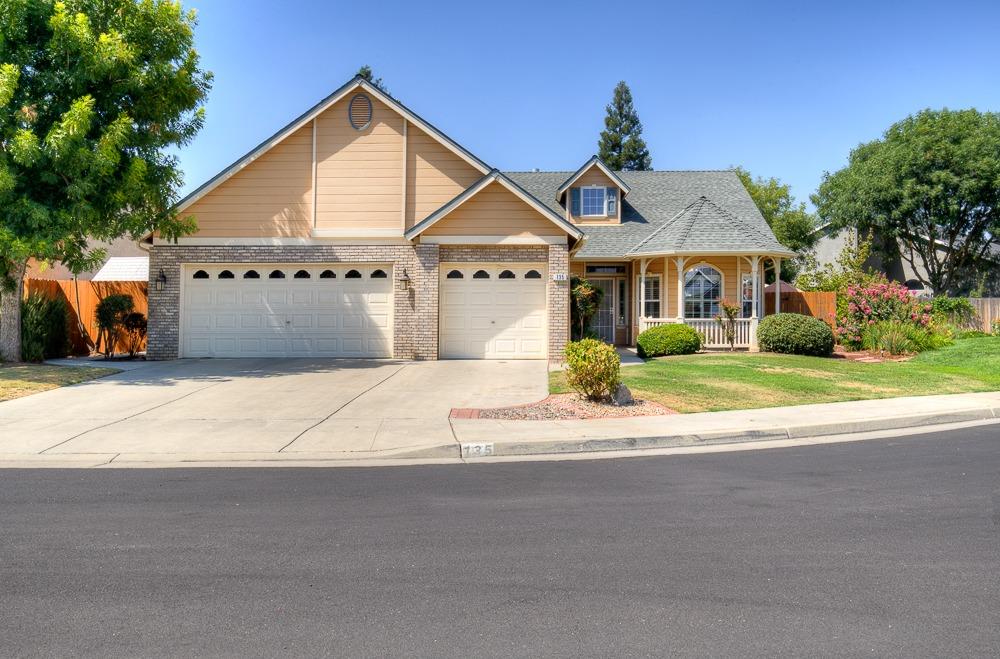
point(603, 322)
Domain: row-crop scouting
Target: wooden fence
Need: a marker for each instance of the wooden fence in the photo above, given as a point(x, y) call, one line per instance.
point(987, 311)
point(818, 304)
point(90, 294)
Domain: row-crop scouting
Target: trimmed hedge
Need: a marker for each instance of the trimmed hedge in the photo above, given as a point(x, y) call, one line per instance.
point(795, 334)
point(672, 339)
point(593, 368)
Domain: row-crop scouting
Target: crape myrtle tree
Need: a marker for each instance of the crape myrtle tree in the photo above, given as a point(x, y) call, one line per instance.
point(928, 191)
point(94, 97)
point(620, 145)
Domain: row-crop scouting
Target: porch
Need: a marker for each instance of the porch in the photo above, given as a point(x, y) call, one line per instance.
point(713, 338)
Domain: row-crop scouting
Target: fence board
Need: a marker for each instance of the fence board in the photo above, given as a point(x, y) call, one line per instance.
point(90, 293)
point(987, 311)
point(818, 304)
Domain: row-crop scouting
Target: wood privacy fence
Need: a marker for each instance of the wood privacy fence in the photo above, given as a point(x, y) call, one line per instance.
point(987, 311)
point(90, 294)
point(818, 304)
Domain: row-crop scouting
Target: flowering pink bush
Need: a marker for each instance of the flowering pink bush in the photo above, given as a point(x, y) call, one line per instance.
point(882, 300)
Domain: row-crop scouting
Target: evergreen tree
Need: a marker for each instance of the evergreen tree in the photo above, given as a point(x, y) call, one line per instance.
point(366, 73)
point(621, 146)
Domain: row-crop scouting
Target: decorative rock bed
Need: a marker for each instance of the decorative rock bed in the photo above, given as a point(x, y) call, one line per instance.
point(564, 406)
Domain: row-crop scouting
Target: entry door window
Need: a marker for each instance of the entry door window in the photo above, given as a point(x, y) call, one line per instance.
point(603, 322)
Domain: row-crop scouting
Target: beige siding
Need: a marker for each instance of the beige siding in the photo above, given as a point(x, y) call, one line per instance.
point(494, 211)
point(434, 175)
point(594, 176)
point(359, 173)
point(272, 196)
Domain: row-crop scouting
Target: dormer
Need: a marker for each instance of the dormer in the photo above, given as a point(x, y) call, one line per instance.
point(593, 194)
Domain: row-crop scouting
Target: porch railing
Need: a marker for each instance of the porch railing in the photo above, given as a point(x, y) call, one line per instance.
point(711, 332)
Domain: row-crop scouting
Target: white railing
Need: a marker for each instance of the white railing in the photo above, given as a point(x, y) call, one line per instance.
point(712, 334)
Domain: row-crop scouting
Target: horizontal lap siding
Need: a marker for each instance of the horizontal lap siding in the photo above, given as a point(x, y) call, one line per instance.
point(434, 175)
point(494, 211)
point(359, 174)
point(272, 196)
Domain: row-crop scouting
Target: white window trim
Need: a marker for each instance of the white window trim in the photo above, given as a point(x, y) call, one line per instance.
point(722, 284)
point(638, 294)
point(604, 194)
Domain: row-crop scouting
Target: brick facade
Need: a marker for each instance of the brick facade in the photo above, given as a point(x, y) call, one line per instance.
point(415, 322)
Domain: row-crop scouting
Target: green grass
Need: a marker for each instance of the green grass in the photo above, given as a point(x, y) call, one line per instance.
point(18, 380)
point(737, 381)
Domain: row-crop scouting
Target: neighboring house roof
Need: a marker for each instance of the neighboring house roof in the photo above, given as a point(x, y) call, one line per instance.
point(785, 288)
point(58, 271)
point(656, 198)
point(124, 268)
point(593, 162)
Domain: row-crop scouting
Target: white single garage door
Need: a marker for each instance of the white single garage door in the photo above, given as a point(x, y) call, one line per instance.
point(493, 311)
point(287, 310)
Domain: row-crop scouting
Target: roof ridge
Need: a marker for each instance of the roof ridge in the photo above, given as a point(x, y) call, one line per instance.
point(738, 220)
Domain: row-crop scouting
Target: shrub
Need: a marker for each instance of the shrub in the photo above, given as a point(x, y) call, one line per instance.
point(956, 311)
point(111, 313)
point(134, 325)
point(44, 328)
point(585, 300)
point(896, 337)
point(996, 327)
point(593, 368)
point(795, 334)
point(729, 312)
point(672, 339)
point(863, 306)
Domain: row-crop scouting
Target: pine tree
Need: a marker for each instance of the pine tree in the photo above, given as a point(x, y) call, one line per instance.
point(621, 146)
point(366, 73)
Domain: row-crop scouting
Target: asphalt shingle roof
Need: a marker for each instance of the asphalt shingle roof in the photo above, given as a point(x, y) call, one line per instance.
point(729, 219)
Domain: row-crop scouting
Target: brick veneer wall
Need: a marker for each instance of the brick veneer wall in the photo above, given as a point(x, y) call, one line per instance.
point(415, 332)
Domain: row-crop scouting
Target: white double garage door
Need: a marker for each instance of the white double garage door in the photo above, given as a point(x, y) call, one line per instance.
point(487, 311)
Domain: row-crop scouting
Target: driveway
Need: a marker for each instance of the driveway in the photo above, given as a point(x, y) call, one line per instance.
point(265, 405)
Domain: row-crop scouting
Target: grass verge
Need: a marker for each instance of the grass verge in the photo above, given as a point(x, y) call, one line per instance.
point(17, 380)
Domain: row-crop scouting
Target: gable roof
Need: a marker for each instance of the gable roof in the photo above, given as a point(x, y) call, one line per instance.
point(593, 162)
point(124, 268)
point(704, 226)
point(656, 197)
point(497, 176)
point(354, 84)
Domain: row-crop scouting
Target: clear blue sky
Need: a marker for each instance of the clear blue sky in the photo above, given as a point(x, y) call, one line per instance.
point(785, 89)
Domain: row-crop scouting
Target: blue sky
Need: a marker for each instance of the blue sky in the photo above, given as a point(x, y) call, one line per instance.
point(784, 89)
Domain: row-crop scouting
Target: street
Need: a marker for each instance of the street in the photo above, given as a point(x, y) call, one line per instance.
point(886, 547)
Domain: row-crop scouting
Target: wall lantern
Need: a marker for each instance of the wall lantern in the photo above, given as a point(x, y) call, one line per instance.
point(160, 281)
point(404, 280)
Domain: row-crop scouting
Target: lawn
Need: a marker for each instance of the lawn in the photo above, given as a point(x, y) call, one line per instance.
point(18, 380)
point(736, 381)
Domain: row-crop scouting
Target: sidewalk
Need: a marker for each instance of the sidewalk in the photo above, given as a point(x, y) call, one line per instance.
point(474, 438)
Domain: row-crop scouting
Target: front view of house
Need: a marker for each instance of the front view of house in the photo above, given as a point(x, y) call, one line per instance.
point(360, 230)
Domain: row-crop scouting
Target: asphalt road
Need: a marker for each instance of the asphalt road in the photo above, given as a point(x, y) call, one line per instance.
point(878, 548)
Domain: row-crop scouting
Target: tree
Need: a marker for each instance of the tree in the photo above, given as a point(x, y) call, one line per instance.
point(929, 189)
point(94, 95)
point(793, 226)
point(366, 73)
point(621, 146)
point(585, 300)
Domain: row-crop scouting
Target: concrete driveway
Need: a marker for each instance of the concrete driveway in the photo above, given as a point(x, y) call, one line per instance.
point(264, 406)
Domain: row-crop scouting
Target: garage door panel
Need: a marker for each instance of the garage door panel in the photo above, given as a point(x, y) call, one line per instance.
point(288, 316)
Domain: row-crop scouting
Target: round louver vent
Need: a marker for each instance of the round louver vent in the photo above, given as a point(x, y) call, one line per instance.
point(360, 112)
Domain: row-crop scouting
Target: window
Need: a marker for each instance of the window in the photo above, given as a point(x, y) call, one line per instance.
point(302, 274)
point(593, 202)
point(226, 274)
point(532, 274)
point(605, 269)
point(352, 274)
point(746, 294)
point(328, 274)
point(455, 274)
point(481, 274)
point(622, 303)
point(652, 309)
point(506, 274)
point(378, 274)
point(276, 274)
point(702, 292)
point(251, 274)
point(201, 274)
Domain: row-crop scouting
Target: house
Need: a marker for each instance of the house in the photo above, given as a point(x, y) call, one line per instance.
point(361, 230)
point(122, 248)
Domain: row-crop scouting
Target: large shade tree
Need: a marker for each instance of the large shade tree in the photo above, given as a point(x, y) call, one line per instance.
point(94, 96)
point(928, 191)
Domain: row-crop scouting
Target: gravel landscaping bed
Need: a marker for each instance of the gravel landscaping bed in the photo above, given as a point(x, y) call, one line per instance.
point(571, 406)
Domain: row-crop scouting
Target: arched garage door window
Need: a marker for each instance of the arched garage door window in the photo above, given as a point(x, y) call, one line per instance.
point(702, 292)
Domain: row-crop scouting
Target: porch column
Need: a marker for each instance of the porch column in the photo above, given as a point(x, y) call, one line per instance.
point(755, 282)
point(777, 285)
point(641, 315)
point(680, 261)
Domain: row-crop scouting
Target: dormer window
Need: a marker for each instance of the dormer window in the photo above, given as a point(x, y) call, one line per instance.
point(593, 202)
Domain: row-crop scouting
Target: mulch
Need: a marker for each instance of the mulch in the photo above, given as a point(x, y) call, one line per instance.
point(564, 406)
point(867, 356)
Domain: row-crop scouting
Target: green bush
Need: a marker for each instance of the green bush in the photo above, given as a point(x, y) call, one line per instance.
point(672, 339)
point(44, 328)
point(996, 327)
point(134, 325)
point(900, 338)
point(593, 368)
point(957, 311)
point(795, 334)
point(111, 313)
